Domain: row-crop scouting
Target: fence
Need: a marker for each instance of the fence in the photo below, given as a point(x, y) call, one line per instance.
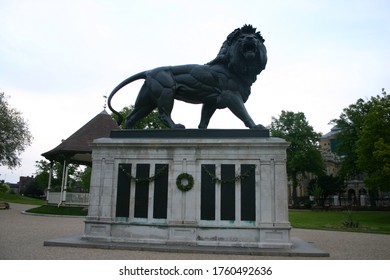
point(81, 199)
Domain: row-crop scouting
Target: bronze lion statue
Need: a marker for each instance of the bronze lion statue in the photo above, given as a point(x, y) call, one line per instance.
point(225, 82)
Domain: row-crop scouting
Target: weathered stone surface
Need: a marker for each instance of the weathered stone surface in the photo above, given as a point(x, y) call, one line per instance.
point(183, 223)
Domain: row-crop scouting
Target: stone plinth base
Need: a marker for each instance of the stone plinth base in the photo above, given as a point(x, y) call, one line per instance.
point(299, 248)
point(194, 187)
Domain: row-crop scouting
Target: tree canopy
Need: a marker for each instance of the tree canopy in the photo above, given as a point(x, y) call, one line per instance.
point(324, 186)
point(364, 140)
point(14, 134)
point(4, 188)
point(151, 121)
point(349, 124)
point(79, 178)
point(303, 154)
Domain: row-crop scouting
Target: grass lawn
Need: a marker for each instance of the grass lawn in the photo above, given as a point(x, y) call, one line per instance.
point(17, 198)
point(43, 208)
point(368, 221)
point(54, 210)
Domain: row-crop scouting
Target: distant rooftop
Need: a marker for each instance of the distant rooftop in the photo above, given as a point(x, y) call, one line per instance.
point(331, 133)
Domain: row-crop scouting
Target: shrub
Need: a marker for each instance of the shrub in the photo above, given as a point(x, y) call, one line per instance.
point(4, 188)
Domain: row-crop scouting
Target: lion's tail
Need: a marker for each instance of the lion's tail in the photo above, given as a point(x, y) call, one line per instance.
point(141, 75)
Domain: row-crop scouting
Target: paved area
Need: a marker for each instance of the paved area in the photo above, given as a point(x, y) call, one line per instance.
point(22, 237)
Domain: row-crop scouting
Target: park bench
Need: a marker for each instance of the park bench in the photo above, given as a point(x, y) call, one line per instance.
point(4, 205)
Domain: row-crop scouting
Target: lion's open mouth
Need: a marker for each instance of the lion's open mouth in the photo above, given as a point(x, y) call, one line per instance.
point(249, 49)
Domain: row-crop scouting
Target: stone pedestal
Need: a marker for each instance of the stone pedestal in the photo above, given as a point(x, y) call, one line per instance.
point(238, 196)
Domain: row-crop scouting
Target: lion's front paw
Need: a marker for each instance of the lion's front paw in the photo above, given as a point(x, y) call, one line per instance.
point(179, 126)
point(258, 126)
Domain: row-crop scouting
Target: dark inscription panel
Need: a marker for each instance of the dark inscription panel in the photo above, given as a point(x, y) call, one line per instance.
point(160, 199)
point(141, 191)
point(248, 192)
point(207, 193)
point(123, 191)
point(228, 192)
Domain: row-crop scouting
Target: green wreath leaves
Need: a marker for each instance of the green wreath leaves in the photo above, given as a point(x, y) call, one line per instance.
point(144, 180)
point(184, 182)
point(237, 178)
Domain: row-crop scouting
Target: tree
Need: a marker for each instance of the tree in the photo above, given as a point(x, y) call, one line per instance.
point(151, 121)
point(32, 189)
point(42, 175)
point(350, 122)
point(324, 186)
point(364, 142)
point(14, 134)
point(4, 188)
point(317, 192)
point(85, 177)
point(303, 155)
point(373, 144)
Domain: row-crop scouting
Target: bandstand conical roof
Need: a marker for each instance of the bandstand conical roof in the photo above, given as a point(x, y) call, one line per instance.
point(76, 148)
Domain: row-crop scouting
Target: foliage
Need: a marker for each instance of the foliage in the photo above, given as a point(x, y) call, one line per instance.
point(42, 180)
point(143, 180)
point(318, 194)
point(349, 123)
point(324, 186)
point(350, 221)
point(236, 178)
point(303, 154)
point(4, 188)
point(364, 141)
point(184, 182)
point(42, 174)
point(151, 121)
point(77, 178)
point(85, 177)
point(14, 134)
point(373, 145)
point(33, 190)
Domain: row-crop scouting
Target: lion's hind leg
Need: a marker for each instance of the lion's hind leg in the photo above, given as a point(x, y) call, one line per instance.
point(143, 106)
point(137, 114)
point(165, 106)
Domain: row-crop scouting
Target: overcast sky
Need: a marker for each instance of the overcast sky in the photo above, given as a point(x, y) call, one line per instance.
point(58, 58)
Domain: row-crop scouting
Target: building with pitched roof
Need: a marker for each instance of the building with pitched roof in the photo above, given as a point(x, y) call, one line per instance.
point(76, 148)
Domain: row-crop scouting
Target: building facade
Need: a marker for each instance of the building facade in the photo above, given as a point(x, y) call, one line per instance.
point(356, 193)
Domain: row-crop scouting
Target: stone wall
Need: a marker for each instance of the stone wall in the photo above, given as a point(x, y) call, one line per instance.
point(239, 195)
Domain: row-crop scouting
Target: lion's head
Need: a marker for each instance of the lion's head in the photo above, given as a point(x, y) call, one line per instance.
point(244, 53)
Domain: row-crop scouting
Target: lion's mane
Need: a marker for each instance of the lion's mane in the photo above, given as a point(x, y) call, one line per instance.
point(230, 55)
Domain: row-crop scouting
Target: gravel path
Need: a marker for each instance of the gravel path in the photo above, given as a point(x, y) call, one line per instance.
point(22, 237)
